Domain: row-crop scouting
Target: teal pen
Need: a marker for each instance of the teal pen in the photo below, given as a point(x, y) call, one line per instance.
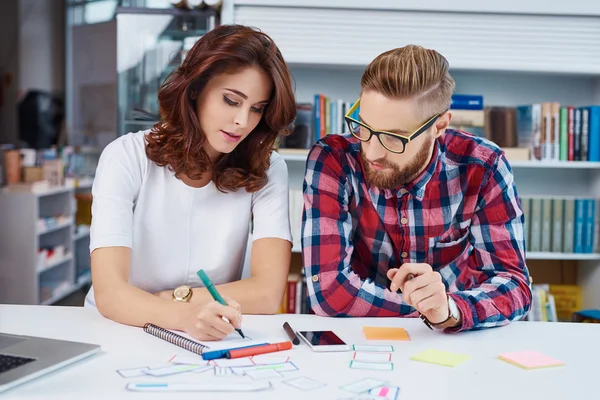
point(213, 292)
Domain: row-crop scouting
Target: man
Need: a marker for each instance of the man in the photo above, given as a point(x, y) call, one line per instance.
point(404, 203)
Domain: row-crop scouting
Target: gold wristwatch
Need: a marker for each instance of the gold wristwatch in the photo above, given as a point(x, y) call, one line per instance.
point(182, 293)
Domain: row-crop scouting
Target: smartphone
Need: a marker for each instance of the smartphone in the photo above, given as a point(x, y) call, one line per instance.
point(323, 341)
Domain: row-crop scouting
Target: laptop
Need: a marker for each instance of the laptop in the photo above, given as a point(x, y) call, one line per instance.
point(23, 358)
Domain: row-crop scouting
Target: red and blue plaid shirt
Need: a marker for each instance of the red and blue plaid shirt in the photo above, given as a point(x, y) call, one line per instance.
point(462, 216)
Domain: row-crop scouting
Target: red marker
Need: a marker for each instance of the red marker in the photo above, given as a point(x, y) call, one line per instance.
point(252, 351)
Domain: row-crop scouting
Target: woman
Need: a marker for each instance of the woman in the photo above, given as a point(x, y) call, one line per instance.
point(180, 197)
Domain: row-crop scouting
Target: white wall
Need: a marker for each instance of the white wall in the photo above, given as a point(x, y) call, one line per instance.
point(498, 88)
point(42, 45)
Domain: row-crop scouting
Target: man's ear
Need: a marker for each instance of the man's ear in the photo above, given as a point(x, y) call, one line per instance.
point(442, 123)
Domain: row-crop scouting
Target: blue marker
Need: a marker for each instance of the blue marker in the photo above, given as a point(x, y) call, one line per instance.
point(213, 355)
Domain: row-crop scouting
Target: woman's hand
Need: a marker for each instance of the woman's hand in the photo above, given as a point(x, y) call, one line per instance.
point(207, 322)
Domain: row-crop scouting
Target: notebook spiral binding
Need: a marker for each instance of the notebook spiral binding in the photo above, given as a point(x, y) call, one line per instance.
point(174, 338)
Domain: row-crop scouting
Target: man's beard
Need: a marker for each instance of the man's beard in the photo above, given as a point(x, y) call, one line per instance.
point(396, 177)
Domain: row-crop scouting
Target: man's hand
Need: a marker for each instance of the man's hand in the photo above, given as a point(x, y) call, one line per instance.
point(422, 288)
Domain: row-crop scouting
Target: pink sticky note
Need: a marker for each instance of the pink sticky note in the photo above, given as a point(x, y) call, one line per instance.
point(530, 359)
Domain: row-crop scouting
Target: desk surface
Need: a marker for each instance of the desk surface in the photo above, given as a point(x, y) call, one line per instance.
point(578, 345)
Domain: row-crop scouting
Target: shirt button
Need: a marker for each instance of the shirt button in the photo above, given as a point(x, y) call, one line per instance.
point(404, 221)
point(315, 278)
point(403, 191)
point(404, 254)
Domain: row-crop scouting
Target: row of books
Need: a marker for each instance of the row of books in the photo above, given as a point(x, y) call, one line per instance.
point(559, 133)
point(549, 131)
point(551, 303)
point(326, 116)
point(294, 300)
point(561, 225)
point(314, 121)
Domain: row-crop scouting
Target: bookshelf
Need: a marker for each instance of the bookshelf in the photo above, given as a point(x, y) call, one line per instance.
point(537, 51)
point(35, 221)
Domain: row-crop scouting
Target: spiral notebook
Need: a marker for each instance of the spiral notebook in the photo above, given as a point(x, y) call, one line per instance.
point(184, 341)
point(174, 338)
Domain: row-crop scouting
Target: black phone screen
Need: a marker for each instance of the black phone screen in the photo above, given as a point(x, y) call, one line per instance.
point(322, 338)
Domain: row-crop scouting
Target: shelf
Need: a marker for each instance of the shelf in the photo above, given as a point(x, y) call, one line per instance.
point(541, 256)
point(41, 193)
point(555, 164)
point(57, 227)
point(561, 256)
point(85, 279)
point(54, 190)
point(139, 122)
point(293, 154)
point(46, 267)
point(81, 235)
point(300, 155)
point(82, 281)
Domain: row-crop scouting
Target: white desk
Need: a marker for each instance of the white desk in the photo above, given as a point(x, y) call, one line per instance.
point(483, 376)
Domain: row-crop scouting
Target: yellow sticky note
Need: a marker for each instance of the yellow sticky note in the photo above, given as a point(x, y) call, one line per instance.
point(530, 360)
point(383, 333)
point(445, 358)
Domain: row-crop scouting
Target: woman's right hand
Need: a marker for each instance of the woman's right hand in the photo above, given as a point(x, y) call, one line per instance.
point(206, 322)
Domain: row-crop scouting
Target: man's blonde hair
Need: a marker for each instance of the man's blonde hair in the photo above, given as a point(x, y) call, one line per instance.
point(413, 73)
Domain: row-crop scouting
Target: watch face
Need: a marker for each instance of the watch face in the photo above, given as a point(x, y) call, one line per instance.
point(181, 292)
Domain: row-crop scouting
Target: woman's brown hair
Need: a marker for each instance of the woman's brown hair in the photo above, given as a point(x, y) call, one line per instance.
point(177, 141)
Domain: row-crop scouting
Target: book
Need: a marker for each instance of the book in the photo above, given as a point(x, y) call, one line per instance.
point(557, 222)
point(174, 338)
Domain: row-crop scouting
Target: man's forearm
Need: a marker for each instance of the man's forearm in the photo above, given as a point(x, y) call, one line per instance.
point(352, 296)
point(496, 302)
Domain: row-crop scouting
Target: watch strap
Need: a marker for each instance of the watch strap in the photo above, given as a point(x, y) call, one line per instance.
point(447, 323)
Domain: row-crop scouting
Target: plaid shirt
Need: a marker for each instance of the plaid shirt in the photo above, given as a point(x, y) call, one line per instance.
point(462, 216)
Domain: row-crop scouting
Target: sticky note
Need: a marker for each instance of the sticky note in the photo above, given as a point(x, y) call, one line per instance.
point(378, 366)
point(383, 333)
point(445, 358)
point(372, 357)
point(385, 392)
point(530, 360)
point(384, 348)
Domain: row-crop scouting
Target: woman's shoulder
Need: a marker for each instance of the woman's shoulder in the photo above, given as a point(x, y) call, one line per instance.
point(125, 153)
point(277, 162)
point(129, 147)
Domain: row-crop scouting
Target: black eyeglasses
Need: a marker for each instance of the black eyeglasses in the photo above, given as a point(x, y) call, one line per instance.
point(390, 141)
